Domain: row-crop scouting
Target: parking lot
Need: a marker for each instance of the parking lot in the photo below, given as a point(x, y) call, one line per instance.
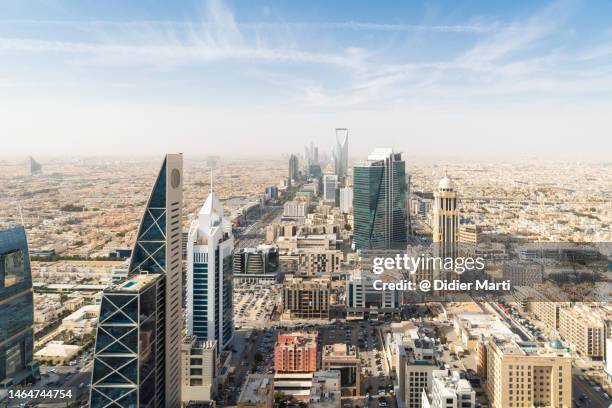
point(254, 304)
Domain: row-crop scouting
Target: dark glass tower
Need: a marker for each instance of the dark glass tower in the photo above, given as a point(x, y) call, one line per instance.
point(379, 201)
point(16, 310)
point(138, 343)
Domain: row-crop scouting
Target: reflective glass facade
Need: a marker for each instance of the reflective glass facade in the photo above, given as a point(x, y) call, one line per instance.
point(16, 309)
point(128, 366)
point(379, 203)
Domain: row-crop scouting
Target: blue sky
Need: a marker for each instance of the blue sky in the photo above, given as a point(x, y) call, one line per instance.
point(441, 79)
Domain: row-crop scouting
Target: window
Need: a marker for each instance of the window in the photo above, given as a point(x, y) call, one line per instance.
point(13, 266)
point(195, 361)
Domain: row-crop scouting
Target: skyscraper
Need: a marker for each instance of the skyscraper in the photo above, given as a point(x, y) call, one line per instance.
point(445, 213)
point(341, 154)
point(138, 339)
point(330, 185)
point(209, 275)
point(33, 167)
point(379, 201)
point(16, 309)
point(293, 168)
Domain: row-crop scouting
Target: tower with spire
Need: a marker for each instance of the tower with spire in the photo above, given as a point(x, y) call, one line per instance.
point(210, 248)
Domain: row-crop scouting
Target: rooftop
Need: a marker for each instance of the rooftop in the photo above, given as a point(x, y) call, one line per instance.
point(256, 389)
point(137, 282)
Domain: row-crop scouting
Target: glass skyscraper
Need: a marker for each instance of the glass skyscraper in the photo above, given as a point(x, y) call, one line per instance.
point(379, 201)
point(16, 309)
point(138, 338)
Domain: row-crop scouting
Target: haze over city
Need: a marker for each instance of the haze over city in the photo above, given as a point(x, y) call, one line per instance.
point(445, 79)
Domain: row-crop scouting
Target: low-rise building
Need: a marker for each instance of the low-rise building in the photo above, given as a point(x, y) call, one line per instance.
point(257, 392)
point(344, 358)
point(200, 369)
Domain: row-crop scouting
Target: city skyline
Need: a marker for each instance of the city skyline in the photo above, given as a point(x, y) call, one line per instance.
point(498, 80)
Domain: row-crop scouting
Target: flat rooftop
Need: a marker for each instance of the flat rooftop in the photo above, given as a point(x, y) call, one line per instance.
point(137, 282)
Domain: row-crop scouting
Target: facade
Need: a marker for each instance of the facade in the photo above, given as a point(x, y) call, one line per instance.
point(256, 264)
point(306, 298)
point(341, 154)
point(257, 392)
point(445, 214)
point(129, 365)
point(379, 201)
point(528, 374)
point(200, 369)
point(296, 352)
point(346, 199)
point(294, 168)
point(296, 209)
point(138, 345)
point(469, 234)
point(317, 262)
point(362, 297)
point(584, 329)
point(330, 185)
point(344, 358)
point(523, 273)
point(210, 249)
point(416, 374)
point(16, 310)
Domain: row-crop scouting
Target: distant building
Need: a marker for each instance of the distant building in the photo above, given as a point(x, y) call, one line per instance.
point(209, 275)
point(341, 154)
point(33, 167)
point(16, 310)
point(449, 390)
point(584, 328)
point(137, 354)
point(314, 171)
point(257, 392)
point(306, 298)
point(379, 201)
point(295, 210)
point(330, 185)
point(445, 214)
point(200, 369)
point(417, 360)
point(296, 352)
point(538, 374)
point(346, 199)
point(523, 273)
point(469, 234)
point(364, 300)
point(421, 203)
point(294, 168)
point(271, 193)
point(122, 253)
point(256, 264)
point(344, 358)
point(318, 262)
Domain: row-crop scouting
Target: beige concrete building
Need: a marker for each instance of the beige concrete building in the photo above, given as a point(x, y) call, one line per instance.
point(584, 328)
point(306, 298)
point(469, 234)
point(199, 370)
point(528, 374)
point(257, 392)
point(313, 262)
point(345, 359)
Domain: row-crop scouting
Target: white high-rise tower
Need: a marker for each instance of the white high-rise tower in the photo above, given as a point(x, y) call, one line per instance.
point(210, 248)
point(341, 154)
